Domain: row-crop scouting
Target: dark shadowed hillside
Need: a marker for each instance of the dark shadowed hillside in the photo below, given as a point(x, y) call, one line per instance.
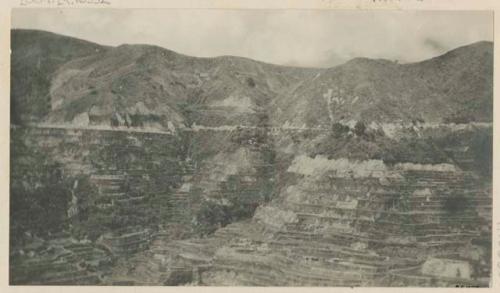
point(36, 55)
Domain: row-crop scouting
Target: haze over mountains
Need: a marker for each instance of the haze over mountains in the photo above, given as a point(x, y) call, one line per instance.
point(67, 81)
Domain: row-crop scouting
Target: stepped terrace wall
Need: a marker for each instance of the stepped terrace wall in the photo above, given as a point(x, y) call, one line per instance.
point(138, 184)
point(336, 227)
point(318, 220)
point(390, 226)
point(109, 183)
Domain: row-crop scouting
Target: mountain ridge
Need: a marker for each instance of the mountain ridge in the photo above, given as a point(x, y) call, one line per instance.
point(142, 85)
point(473, 44)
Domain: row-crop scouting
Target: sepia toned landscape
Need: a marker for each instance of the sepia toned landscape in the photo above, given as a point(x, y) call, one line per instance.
point(137, 165)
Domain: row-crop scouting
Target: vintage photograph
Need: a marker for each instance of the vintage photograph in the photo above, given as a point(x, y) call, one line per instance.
point(218, 147)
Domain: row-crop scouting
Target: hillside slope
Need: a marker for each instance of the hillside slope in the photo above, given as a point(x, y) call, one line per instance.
point(456, 86)
point(229, 171)
point(62, 80)
point(36, 55)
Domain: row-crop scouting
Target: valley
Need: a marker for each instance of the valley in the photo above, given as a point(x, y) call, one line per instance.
point(136, 165)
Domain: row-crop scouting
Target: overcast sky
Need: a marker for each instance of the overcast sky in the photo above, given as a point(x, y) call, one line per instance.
point(290, 37)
